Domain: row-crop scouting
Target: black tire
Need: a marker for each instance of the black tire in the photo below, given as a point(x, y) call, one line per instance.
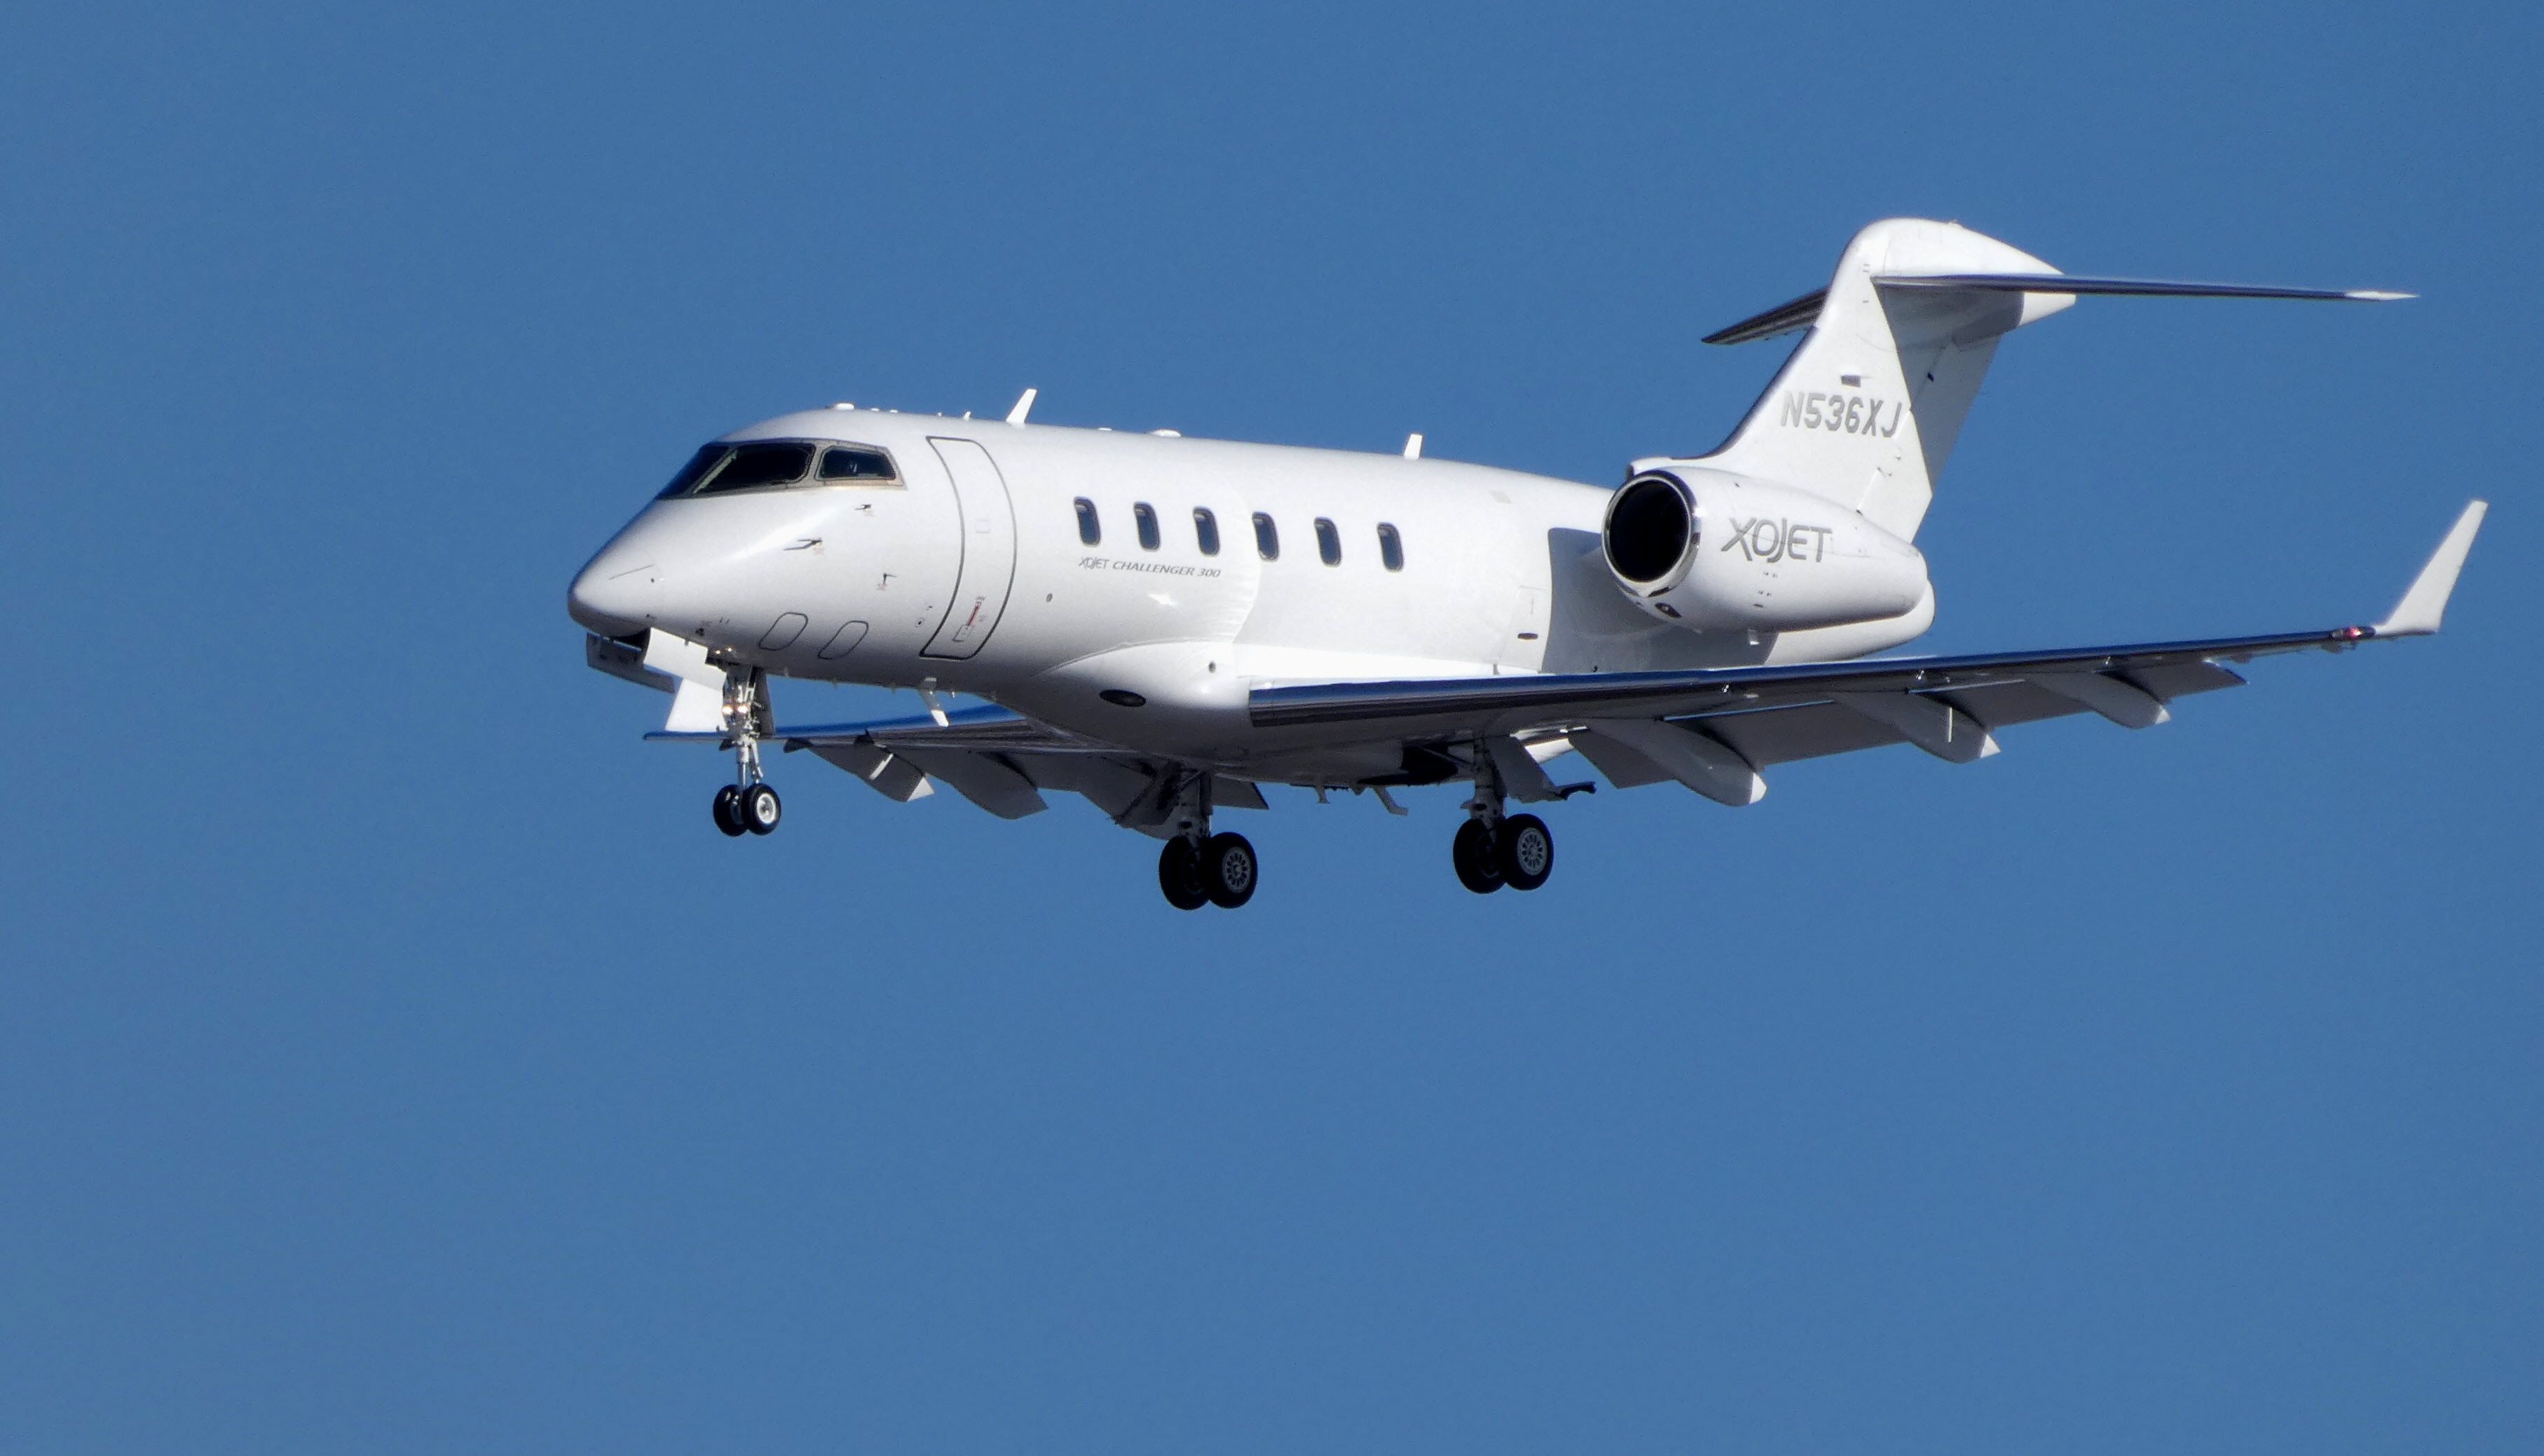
point(759, 808)
point(728, 809)
point(1179, 875)
point(1229, 870)
point(1472, 853)
point(1524, 851)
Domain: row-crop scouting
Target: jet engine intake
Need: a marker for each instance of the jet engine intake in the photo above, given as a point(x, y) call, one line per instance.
point(1710, 550)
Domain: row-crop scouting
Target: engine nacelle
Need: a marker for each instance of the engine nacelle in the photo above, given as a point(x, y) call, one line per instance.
point(1712, 551)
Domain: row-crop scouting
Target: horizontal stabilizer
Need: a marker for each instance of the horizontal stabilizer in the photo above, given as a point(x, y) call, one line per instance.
point(2122, 287)
point(1802, 312)
point(1784, 318)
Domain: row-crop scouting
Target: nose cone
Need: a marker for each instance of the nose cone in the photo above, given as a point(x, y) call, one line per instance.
point(617, 594)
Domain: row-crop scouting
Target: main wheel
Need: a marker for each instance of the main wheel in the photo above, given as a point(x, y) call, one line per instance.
point(759, 808)
point(1179, 875)
point(1472, 853)
point(728, 809)
point(1227, 870)
point(1524, 851)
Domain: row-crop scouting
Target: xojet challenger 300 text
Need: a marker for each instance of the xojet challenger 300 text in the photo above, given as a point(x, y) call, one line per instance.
point(1164, 625)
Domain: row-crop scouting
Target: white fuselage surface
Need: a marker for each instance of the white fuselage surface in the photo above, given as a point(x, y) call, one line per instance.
point(984, 582)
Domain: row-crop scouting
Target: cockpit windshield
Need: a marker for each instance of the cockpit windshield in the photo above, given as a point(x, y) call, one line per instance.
point(765, 464)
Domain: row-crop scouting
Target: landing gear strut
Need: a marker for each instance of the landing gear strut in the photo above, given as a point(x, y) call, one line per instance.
point(747, 806)
point(1492, 849)
point(1198, 868)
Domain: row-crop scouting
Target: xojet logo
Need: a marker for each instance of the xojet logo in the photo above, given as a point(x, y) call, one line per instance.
point(1767, 540)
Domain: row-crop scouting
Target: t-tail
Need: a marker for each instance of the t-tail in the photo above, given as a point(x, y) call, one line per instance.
point(1866, 410)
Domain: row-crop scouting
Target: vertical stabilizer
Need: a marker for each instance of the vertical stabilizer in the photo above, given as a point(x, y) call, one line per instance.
point(1867, 410)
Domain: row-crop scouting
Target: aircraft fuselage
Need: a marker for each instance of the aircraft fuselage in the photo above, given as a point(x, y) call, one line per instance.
point(971, 569)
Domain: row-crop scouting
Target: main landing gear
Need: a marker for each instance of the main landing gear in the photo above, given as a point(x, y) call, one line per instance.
point(1216, 870)
point(1491, 849)
point(1198, 868)
point(747, 806)
point(1518, 851)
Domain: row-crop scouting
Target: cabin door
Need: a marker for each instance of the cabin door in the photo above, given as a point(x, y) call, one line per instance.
point(989, 550)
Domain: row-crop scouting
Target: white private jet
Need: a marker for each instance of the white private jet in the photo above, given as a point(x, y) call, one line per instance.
point(1164, 624)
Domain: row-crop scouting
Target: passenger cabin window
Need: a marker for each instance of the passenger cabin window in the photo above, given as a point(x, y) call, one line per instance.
point(1329, 542)
point(1267, 537)
point(1089, 530)
point(1206, 531)
point(754, 466)
point(1145, 518)
point(858, 463)
point(1390, 547)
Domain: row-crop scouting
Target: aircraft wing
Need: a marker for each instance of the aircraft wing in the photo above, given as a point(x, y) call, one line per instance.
point(1714, 729)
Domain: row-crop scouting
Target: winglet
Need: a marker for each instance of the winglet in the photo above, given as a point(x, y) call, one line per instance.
point(2419, 611)
point(1024, 406)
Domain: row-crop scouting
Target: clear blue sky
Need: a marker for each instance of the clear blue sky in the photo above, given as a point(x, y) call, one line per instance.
point(393, 1058)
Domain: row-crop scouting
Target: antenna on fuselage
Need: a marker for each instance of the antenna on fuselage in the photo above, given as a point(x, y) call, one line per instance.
point(1024, 406)
point(1413, 448)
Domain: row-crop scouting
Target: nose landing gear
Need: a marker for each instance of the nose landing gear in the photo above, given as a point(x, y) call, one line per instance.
point(1198, 868)
point(747, 806)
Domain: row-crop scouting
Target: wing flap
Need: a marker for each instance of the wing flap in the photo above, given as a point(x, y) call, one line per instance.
point(983, 778)
point(878, 769)
point(1805, 731)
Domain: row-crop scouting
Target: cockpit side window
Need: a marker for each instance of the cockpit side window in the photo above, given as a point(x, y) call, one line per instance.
point(861, 464)
point(768, 463)
point(700, 466)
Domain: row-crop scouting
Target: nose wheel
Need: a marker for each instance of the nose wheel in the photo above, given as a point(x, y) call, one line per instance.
point(741, 810)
